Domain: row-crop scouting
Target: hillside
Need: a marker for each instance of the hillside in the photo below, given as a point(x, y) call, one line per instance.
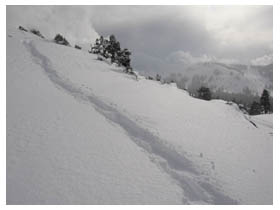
point(230, 78)
point(218, 76)
point(80, 131)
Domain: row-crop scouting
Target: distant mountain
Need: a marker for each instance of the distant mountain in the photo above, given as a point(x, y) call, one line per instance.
point(229, 78)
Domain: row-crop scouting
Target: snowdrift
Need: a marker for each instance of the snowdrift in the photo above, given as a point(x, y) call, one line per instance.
point(80, 131)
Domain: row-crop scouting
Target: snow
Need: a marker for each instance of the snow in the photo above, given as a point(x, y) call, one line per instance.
point(265, 122)
point(79, 131)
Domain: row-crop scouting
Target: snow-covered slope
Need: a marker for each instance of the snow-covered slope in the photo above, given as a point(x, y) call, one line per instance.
point(79, 131)
point(265, 122)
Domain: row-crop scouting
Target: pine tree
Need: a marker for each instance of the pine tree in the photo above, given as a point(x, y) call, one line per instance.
point(59, 39)
point(111, 49)
point(264, 101)
point(23, 29)
point(255, 109)
point(204, 93)
point(158, 77)
point(37, 32)
point(124, 59)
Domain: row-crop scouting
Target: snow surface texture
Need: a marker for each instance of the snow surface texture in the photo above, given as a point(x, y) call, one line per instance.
point(79, 131)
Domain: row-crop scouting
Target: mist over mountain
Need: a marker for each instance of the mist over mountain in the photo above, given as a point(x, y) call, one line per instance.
point(217, 75)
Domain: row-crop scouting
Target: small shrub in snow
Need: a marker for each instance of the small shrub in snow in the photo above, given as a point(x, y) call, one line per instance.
point(130, 71)
point(78, 47)
point(158, 77)
point(37, 33)
point(204, 93)
point(22, 29)
point(59, 39)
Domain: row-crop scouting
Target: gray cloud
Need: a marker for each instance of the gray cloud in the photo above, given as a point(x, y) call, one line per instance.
point(160, 36)
point(234, 33)
point(264, 60)
point(153, 33)
point(158, 32)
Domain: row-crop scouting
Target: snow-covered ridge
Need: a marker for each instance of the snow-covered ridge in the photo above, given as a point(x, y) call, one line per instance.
point(159, 144)
point(230, 78)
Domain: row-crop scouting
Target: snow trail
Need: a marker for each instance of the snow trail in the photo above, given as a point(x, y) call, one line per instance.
point(195, 188)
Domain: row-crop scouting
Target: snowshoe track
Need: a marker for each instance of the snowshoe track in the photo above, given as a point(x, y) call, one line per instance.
point(172, 162)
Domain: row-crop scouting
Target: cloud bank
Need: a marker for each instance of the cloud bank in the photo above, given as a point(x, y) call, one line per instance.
point(230, 34)
point(262, 61)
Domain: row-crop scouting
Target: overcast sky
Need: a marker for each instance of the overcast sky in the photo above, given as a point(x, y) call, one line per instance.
point(241, 34)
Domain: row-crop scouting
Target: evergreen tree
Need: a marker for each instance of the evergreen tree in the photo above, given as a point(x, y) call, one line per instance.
point(255, 109)
point(111, 49)
point(104, 48)
point(123, 58)
point(264, 101)
point(158, 77)
point(37, 32)
point(96, 48)
point(59, 39)
point(78, 47)
point(204, 93)
point(23, 29)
